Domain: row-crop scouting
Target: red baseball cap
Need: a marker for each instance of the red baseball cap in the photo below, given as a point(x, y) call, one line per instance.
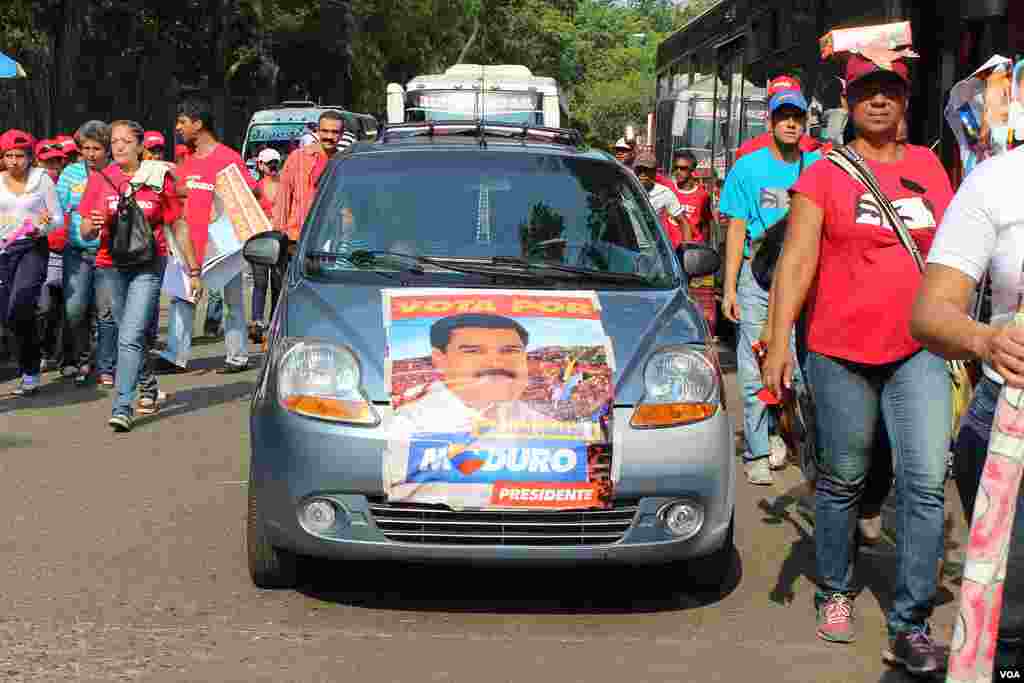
point(16, 139)
point(49, 149)
point(858, 66)
point(153, 138)
point(67, 143)
point(782, 84)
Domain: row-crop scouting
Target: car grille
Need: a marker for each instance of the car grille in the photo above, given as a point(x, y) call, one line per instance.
point(409, 523)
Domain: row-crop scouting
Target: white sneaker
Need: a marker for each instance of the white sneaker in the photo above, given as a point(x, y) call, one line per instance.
point(28, 385)
point(777, 456)
point(759, 473)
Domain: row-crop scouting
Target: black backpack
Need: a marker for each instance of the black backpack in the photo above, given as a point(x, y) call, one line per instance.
point(131, 237)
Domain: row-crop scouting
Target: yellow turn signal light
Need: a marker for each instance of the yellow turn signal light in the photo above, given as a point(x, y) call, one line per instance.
point(353, 412)
point(649, 415)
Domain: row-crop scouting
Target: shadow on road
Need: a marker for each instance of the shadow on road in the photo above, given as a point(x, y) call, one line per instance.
point(56, 394)
point(536, 590)
point(200, 398)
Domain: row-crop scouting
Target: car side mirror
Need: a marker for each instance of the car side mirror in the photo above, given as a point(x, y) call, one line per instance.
point(266, 249)
point(700, 260)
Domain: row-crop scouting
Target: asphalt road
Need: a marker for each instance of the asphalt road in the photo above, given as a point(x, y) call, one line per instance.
point(122, 559)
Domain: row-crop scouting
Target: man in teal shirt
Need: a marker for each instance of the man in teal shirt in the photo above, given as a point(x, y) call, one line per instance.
point(756, 197)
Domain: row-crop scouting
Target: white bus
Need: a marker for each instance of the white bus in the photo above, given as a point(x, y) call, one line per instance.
point(505, 93)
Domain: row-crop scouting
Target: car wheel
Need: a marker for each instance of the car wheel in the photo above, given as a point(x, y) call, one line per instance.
point(269, 567)
point(710, 572)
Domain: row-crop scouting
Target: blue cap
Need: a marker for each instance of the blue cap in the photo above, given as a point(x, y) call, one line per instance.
point(791, 97)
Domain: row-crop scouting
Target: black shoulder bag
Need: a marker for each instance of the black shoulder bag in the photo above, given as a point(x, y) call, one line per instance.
point(131, 237)
point(766, 255)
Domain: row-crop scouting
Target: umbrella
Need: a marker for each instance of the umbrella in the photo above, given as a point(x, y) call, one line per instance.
point(981, 593)
point(10, 68)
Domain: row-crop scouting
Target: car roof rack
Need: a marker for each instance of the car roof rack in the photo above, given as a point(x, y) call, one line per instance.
point(559, 136)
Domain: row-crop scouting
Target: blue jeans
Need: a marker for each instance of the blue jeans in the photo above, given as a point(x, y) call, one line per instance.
point(135, 297)
point(758, 421)
point(179, 328)
point(910, 399)
point(214, 311)
point(970, 452)
point(80, 295)
point(22, 273)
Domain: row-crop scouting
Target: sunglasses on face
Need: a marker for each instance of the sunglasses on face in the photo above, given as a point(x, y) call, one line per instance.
point(49, 148)
point(684, 168)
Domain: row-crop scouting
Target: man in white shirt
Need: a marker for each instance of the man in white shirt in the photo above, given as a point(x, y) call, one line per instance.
point(666, 203)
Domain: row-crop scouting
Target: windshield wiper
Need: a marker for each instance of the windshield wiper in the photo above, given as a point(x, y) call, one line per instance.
point(579, 273)
point(469, 267)
point(335, 256)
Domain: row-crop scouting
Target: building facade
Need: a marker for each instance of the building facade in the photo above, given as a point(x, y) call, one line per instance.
point(735, 47)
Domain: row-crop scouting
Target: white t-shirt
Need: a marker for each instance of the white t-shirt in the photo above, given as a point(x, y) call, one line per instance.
point(983, 228)
point(664, 198)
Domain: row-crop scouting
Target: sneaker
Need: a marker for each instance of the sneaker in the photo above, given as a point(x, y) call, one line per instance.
point(759, 473)
point(233, 368)
point(778, 453)
point(162, 366)
point(121, 423)
point(835, 620)
point(914, 650)
point(870, 529)
point(106, 380)
point(82, 374)
point(148, 405)
point(28, 385)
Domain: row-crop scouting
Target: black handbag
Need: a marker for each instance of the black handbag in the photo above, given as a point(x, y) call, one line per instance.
point(132, 244)
point(762, 265)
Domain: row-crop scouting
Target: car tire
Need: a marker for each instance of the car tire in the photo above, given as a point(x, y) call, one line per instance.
point(709, 573)
point(269, 567)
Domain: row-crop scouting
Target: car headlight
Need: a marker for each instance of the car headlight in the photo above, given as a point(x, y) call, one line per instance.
point(323, 380)
point(681, 386)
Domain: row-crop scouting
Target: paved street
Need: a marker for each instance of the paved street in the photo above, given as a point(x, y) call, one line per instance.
point(122, 558)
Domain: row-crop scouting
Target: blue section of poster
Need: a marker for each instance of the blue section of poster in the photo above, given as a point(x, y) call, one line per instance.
point(443, 458)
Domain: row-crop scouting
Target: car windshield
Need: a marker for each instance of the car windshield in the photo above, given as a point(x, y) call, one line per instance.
point(484, 207)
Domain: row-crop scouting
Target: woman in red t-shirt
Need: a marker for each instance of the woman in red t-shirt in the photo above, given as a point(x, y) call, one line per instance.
point(134, 291)
point(865, 371)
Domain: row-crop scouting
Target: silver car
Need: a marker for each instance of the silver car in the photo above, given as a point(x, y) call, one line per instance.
point(483, 207)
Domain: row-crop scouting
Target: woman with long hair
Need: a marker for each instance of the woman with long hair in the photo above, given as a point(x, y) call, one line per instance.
point(29, 211)
point(133, 289)
point(80, 291)
point(843, 258)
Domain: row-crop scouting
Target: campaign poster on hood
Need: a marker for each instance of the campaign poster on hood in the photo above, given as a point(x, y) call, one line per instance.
point(501, 399)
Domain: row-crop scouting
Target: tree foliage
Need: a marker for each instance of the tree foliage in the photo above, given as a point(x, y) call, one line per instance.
point(135, 58)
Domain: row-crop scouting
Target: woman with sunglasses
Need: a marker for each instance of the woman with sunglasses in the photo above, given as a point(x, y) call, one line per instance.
point(267, 164)
point(29, 211)
point(866, 372)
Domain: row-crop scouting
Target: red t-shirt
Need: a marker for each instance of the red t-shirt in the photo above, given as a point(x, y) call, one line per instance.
point(697, 207)
point(859, 305)
point(806, 144)
point(160, 208)
point(266, 203)
point(199, 178)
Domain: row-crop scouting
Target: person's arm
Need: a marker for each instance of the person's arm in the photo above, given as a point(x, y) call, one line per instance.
point(735, 238)
point(283, 199)
point(794, 273)
point(677, 216)
point(52, 216)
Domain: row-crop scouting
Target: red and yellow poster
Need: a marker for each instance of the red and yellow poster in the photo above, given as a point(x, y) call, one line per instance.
point(502, 399)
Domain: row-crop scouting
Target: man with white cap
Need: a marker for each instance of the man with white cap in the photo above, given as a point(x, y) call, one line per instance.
point(624, 152)
point(756, 197)
point(268, 162)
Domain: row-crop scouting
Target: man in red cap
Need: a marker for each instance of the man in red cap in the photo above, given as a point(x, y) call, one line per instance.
point(70, 147)
point(153, 145)
point(783, 83)
point(50, 157)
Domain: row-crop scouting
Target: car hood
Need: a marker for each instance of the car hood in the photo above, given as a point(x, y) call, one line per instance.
point(637, 322)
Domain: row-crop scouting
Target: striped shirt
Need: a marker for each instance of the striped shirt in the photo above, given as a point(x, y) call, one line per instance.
point(297, 190)
point(70, 188)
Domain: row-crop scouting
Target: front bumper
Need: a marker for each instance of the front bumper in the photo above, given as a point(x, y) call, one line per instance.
point(295, 458)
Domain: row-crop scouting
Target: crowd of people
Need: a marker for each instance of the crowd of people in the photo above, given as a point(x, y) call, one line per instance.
point(80, 281)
